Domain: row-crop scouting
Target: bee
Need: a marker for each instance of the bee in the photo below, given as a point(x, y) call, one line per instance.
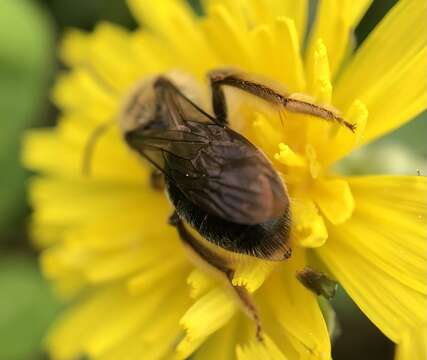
point(225, 192)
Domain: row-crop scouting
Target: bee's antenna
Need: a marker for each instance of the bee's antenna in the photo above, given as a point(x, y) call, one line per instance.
point(90, 146)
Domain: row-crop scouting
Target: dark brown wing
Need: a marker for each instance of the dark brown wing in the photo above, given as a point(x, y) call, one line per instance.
point(216, 168)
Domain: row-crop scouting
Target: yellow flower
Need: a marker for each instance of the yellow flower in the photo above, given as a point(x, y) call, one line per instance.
point(105, 238)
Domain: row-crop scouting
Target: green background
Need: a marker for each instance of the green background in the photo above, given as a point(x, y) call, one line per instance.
point(29, 34)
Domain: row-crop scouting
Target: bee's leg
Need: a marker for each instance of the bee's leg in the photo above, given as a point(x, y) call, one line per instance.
point(226, 77)
point(219, 103)
point(220, 264)
point(317, 282)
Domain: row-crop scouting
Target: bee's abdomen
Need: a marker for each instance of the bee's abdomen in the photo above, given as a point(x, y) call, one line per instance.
point(268, 240)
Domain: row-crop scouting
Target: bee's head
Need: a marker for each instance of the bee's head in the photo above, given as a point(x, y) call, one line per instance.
point(141, 108)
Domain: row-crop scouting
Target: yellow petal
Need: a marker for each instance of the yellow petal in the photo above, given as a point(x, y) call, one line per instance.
point(60, 202)
point(208, 314)
point(219, 25)
point(251, 273)
point(263, 42)
point(392, 63)
point(334, 23)
point(266, 11)
point(110, 58)
point(199, 282)
point(105, 318)
point(74, 47)
point(413, 345)
point(176, 23)
point(380, 254)
point(340, 141)
point(158, 270)
point(256, 350)
point(220, 345)
point(334, 198)
point(296, 310)
point(79, 91)
point(289, 54)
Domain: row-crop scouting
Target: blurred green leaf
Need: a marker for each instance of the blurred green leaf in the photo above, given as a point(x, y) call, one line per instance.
point(26, 44)
point(27, 307)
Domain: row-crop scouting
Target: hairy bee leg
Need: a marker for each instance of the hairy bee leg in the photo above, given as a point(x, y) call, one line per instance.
point(221, 265)
point(226, 77)
point(219, 103)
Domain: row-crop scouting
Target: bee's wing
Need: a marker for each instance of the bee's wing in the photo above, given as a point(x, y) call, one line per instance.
point(215, 168)
point(235, 182)
point(177, 107)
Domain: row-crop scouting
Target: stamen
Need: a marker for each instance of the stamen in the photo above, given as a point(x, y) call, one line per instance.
point(288, 157)
point(321, 86)
point(358, 114)
point(314, 165)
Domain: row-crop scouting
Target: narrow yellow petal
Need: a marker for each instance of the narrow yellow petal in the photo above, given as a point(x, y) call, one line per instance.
point(297, 311)
point(236, 51)
point(334, 198)
point(413, 345)
point(106, 318)
point(74, 47)
point(176, 23)
point(220, 345)
point(256, 350)
point(334, 22)
point(59, 202)
point(340, 141)
point(251, 273)
point(263, 42)
point(110, 58)
point(80, 91)
point(208, 314)
point(289, 54)
point(152, 56)
point(266, 12)
point(385, 238)
point(389, 71)
point(199, 282)
point(159, 270)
